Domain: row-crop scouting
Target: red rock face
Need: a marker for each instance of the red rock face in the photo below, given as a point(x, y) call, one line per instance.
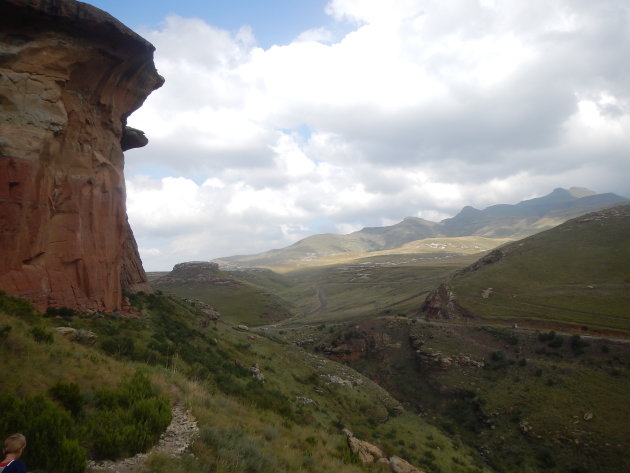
point(70, 75)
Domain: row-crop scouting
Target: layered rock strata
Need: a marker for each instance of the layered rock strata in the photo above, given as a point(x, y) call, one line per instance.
point(70, 75)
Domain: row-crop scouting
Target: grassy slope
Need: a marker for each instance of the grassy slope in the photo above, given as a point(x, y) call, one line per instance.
point(526, 409)
point(244, 424)
point(369, 286)
point(242, 297)
point(575, 274)
point(414, 250)
point(239, 304)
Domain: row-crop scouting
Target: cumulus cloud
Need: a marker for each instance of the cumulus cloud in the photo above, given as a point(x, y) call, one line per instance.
point(421, 108)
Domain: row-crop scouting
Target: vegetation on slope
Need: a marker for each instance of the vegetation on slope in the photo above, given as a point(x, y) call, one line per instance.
point(290, 421)
point(239, 297)
point(528, 400)
point(573, 275)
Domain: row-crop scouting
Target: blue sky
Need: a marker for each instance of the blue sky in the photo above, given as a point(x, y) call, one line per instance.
point(281, 119)
point(272, 21)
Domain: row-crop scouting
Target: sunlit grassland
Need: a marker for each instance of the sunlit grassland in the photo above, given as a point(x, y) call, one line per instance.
point(240, 304)
point(576, 274)
point(345, 292)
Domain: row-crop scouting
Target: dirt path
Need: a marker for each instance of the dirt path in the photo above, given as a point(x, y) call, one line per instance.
point(174, 441)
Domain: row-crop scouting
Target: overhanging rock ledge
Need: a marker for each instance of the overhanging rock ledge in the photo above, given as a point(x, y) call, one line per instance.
point(70, 75)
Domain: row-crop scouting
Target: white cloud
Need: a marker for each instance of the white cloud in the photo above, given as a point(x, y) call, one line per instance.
point(424, 107)
point(319, 35)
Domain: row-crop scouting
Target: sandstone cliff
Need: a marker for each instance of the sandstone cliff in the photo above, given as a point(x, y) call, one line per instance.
point(70, 75)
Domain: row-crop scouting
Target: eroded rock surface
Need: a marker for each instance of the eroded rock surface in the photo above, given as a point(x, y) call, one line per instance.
point(369, 453)
point(195, 272)
point(70, 75)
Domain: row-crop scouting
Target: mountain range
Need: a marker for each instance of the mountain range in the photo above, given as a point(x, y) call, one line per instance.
point(503, 221)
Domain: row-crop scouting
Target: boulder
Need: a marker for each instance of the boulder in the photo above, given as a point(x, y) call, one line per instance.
point(82, 336)
point(257, 373)
point(365, 451)
point(370, 453)
point(398, 465)
point(70, 75)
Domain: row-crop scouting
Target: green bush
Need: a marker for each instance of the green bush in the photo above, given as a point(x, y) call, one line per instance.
point(270, 433)
point(65, 312)
point(4, 332)
point(114, 423)
point(41, 335)
point(16, 306)
point(71, 456)
point(546, 337)
point(237, 453)
point(126, 420)
point(69, 396)
point(578, 345)
point(49, 430)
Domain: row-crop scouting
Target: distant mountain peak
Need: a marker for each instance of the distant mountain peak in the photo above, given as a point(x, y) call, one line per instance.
point(571, 193)
point(579, 192)
point(497, 221)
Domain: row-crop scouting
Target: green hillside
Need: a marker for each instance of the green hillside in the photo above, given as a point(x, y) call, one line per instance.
point(242, 298)
point(386, 284)
point(576, 275)
point(528, 400)
point(289, 422)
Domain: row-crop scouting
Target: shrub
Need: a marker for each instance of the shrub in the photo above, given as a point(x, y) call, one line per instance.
point(545, 337)
point(498, 360)
point(126, 420)
point(69, 396)
point(41, 335)
point(4, 332)
point(498, 356)
point(71, 456)
point(578, 345)
point(65, 312)
point(11, 305)
point(237, 453)
point(50, 432)
point(545, 459)
point(270, 433)
point(346, 455)
point(122, 346)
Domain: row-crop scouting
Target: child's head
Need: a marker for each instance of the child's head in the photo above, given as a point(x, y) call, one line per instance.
point(14, 444)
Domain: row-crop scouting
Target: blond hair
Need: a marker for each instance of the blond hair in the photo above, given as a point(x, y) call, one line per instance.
point(13, 443)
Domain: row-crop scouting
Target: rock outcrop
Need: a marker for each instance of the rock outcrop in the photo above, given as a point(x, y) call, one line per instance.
point(441, 304)
point(195, 272)
point(85, 337)
point(70, 75)
point(356, 345)
point(368, 453)
point(210, 313)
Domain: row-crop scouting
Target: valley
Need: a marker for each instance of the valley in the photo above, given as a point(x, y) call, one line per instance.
point(533, 382)
point(496, 340)
point(420, 351)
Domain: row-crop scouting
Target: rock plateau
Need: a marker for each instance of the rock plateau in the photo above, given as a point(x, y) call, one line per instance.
point(70, 75)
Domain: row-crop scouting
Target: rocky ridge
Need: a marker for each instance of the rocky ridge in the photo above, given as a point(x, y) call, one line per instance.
point(195, 272)
point(70, 75)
